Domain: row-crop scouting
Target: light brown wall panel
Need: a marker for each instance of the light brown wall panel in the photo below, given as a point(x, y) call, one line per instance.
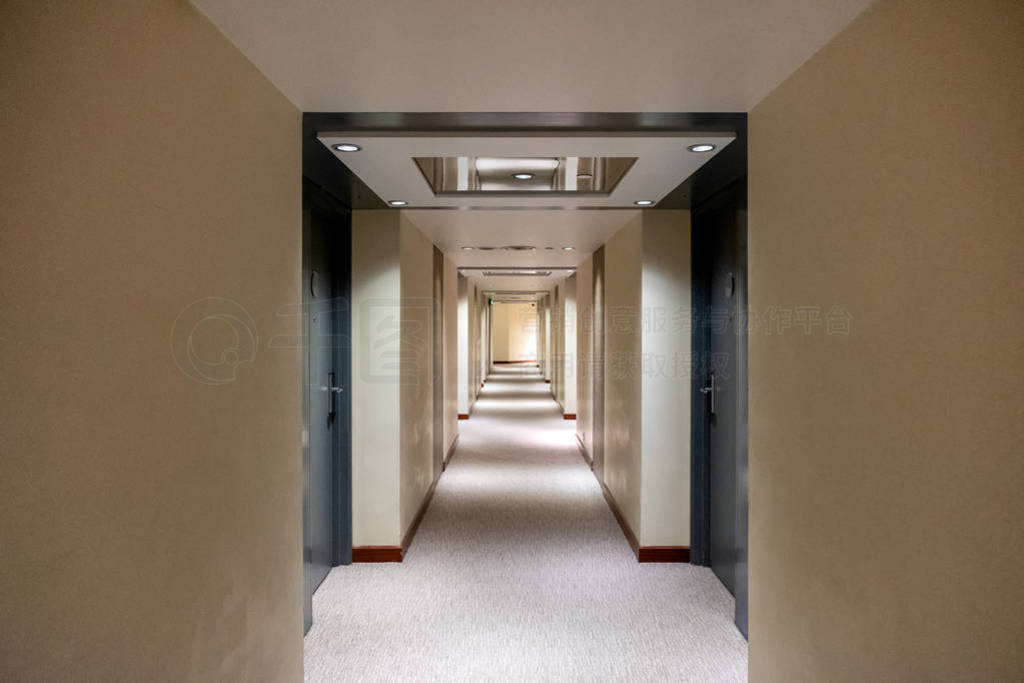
point(150, 514)
point(885, 464)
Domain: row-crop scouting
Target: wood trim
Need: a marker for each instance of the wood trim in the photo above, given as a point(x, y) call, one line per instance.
point(377, 553)
point(569, 416)
point(514, 362)
point(547, 381)
point(415, 524)
point(463, 416)
point(619, 517)
point(396, 553)
point(647, 553)
point(663, 553)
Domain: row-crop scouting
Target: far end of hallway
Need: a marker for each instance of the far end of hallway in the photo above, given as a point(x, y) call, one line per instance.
point(520, 572)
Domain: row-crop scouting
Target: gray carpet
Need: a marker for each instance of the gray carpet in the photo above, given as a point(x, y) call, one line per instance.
point(520, 572)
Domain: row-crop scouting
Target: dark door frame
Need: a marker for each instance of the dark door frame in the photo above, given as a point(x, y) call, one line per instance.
point(732, 199)
point(321, 206)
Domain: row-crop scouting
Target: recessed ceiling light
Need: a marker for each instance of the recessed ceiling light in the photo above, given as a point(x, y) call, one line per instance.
point(467, 248)
point(701, 148)
point(523, 176)
point(644, 202)
point(568, 248)
point(585, 176)
point(397, 202)
point(346, 147)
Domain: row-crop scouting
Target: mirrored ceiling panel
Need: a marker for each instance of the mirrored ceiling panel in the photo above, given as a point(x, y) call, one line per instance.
point(568, 175)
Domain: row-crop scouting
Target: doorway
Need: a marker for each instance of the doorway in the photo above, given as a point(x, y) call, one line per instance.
point(327, 511)
point(719, 413)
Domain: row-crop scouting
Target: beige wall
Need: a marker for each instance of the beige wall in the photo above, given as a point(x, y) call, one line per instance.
point(450, 311)
point(150, 523)
point(513, 332)
point(886, 465)
point(558, 345)
point(522, 332)
point(584, 351)
point(417, 397)
point(464, 351)
point(569, 403)
point(665, 421)
point(499, 332)
point(622, 386)
point(392, 395)
point(376, 401)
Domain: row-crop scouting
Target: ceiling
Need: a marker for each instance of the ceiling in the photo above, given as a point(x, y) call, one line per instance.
point(531, 55)
point(385, 163)
point(585, 231)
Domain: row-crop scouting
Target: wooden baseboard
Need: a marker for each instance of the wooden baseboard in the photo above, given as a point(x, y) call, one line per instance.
point(377, 553)
point(663, 553)
point(396, 553)
point(569, 416)
point(514, 362)
point(647, 553)
point(463, 416)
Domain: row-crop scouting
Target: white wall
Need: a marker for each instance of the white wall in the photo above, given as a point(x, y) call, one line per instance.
point(666, 343)
point(584, 352)
point(569, 401)
point(623, 387)
point(416, 394)
point(376, 292)
point(545, 335)
point(392, 396)
point(558, 341)
point(464, 351)
point(647, 390)
point(450, 312)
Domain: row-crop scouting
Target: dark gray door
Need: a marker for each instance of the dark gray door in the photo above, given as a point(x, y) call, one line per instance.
point(723, 397)
point(327, 513)
point(324, 387)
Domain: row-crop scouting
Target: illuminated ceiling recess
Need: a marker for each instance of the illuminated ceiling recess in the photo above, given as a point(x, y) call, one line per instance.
point(512, 176)
point(523, 172)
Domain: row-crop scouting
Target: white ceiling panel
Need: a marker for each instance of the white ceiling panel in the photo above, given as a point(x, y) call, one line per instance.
point(530, 55)
point(385, 164)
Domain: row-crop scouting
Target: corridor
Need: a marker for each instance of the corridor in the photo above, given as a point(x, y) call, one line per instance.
point(520, 572)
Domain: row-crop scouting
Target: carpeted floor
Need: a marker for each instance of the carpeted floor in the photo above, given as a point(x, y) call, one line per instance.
point(520, 572)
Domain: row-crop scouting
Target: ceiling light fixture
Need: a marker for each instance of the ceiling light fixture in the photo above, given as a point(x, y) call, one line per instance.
point(467, 248)
point(568, 248)
point(346, 147)
point(644, 202)
point(516, 164)
point(523, 176)
point(585, 176)
point(397, 202)
point(701, 148)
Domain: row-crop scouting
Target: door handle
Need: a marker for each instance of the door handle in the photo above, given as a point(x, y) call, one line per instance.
point(710, 390)
point(332, 392)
